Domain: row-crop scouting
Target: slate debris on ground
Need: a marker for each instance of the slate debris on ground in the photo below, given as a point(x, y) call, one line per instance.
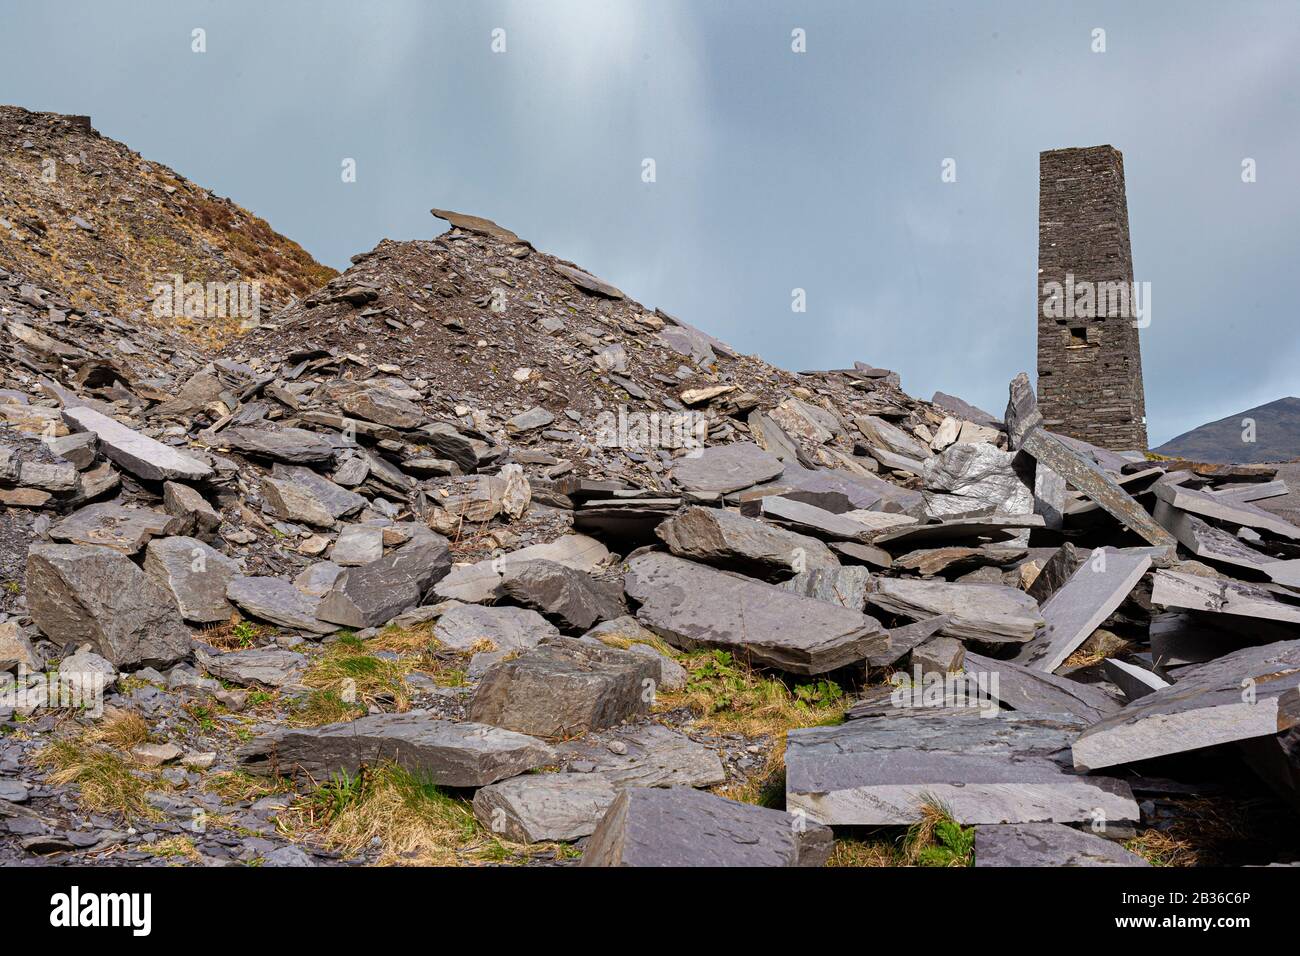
point(512, 499)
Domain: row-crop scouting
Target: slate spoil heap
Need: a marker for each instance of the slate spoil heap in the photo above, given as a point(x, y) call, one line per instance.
point(419, 532)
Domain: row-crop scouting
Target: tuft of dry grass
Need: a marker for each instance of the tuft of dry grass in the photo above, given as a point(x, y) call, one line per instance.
point(120, 729)
point(348, 670)
point(236, 634)
point(176, 848)
point(238, 786)
point(875, 853)
point(107, 781)
point(728, 697)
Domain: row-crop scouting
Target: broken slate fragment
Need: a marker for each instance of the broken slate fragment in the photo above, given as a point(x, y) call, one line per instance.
point(681, 827)
point(1047, 844)
point(375, 593)
point(650, 755)
point(539, 807)
point(278, 601)
point(470, 627)
point(574, 599)
point(446, 753)
point(564, 687)
point(197, 576)
point(725, 538)
point(992, 613)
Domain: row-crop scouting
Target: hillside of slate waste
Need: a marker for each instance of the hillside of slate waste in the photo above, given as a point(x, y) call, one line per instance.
point(465, 558)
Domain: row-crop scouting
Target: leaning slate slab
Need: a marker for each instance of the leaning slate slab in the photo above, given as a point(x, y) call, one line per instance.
point(446, 753)
point(1252, 692)
point(79, 594)
point(691, 606)
point(504, 628)
point(196, 574)
point(1047, 844)
point(538, 807)
point(682, 827)
point(1222, 596)
point(375, 593)
point(1088, 477)
point(133, 452)
point(1093, 592)
point(1220, 509)
point(1024, 688)
point(574, 599)
point(984, 766)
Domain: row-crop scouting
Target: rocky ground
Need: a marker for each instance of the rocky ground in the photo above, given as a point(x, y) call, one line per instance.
point(463, 557)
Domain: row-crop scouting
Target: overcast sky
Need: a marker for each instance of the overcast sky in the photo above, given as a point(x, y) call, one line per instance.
point(774, 170)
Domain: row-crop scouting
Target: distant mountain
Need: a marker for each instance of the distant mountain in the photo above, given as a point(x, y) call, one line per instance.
point(1277, 436)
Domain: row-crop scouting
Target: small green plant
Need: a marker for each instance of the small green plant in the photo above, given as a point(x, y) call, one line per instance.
point(936, 839)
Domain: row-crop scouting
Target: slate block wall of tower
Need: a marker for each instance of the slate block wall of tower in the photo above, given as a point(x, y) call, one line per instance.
point(1089, 366)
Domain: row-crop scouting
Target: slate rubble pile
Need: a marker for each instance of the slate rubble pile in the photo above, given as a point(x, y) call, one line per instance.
point(1073, 634)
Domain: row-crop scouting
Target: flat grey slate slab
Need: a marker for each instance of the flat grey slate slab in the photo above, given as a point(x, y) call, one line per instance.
point(993, 613)
point(985, 766)
point(725, 538)
point(681, 827)
point(136, 453)
point(653, 756)
point(1253, 692)
point(1222, 596)
point(448, 753)
point(806, 518)
point(1222, 509)
point(1092, 593)
point(278, 601)
point(726, 468)
point(1047, 844)
point(691, 605)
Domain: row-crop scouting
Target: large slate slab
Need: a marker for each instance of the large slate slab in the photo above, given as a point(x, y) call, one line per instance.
point(1077, 609)
point(682, 827)
point(1237, 513)
point(1047, 844)
point(78, 594)
point(444, 752)
point(992, 613)
point(1222, 596)
point(140, 455)
point(691, 606)
point(1253, 692)
point(725, 538)
point(564, 687)
point(291, 445)
point(726, 468)
point(984, 766)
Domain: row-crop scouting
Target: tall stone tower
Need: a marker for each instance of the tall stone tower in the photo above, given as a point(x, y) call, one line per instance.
point(1089, 360)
